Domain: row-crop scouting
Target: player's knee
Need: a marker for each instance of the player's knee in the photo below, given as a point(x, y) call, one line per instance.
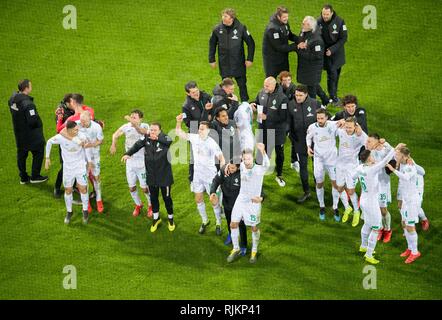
point(132, 189)
point(383, 211)
point(319, 185)
point(254, 229)
point(351, 192)
point(145, 190)
point(410, 228)
point(82, 189)
point(333, 182)
point(234, 225)
point(340, 188)
point(68, 191)
point(97, 178)
point(399, 204)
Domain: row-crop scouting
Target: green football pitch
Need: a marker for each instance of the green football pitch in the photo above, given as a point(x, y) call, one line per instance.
point(127, 54)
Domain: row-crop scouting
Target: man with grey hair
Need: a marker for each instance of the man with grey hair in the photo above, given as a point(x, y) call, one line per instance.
point(310, 50)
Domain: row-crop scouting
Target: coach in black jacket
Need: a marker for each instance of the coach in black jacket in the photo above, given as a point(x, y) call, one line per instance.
point(28, 130)
point(224, 96)
point(275, 44)
point(158, 170)
point(274, 116)
point(351, 109)
point(229, 36)
point(302, 113)
point(230, 187)
point(227, 135)
point(310, 50)
point(334, 34)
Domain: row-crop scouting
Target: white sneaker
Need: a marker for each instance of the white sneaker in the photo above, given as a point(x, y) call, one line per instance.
point(280, 181)
point(295, 166)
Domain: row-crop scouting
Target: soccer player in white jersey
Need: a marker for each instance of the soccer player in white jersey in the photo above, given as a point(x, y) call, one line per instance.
point(420, 177)
point(74, 166)
point(205, 150)
point(133, 131)
point(248, 204)
point(408, 177)
point(368, 174)
point(321, 144)
point(243, 117)
point(351, 139)
point(379, 148)
point(94, 135)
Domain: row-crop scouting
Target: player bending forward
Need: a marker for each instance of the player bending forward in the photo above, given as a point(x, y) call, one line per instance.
point(408, 178)
point(368, 173)
point(74, 166)
point(248, 204)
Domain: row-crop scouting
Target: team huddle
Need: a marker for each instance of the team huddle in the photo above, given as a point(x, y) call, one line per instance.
point(232, 143)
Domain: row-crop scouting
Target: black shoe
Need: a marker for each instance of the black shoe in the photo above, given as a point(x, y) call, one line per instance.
point(57, 193)
point(85, 217)
point(306, 196)
point(39, 179)
point(218, 230)
point(203, 227)
point(68, 217)
point(25, 180)
point(336, 102)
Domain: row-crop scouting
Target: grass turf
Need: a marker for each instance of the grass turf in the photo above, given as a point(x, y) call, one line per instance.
point(126, 55)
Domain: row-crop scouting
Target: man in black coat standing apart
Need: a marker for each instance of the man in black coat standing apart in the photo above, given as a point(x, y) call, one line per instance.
point(310, 51)
point(275, 44)
point(28, 130)
point(229, 36)
point(158, 171)
point(334, 34)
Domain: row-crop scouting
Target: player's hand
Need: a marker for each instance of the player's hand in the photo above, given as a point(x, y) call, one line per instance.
point(253, 105)
point(262, 116)
point(328, 53)
point(213, 65)
point(340, 123)
point(257, 199)
point(248, 64)
point(127, 118)
point(113, 149)
point(410, 161)
point(153, 137)
point(358, 130)
point(302, 45)
point(400, 146)
point(89, 145)
point(213, 199)
point(233, 98)
point(47, 163)
point(310, 151)
point(101, 123)
point(389, 166)
point(381, 140)
point(179, 118)
point(125, 158)
point(261, 147)
point(208, 106)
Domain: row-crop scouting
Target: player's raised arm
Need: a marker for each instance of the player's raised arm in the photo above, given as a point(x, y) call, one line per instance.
point(265, 158)
point(179, 131)
point(115, 136)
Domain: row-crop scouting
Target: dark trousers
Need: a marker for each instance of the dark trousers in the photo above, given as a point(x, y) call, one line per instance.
point(279, 161)
point(316, 90)
point(303, 170)
point(242, 228)
point(333, 75)
point(59, 180)
point(167, 198)
point(242, 84)
point(37, 161)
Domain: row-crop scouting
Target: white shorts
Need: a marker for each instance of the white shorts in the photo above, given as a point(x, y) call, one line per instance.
point(344, 178)
point(248, 211)
point(384, 195)
point(371, 214)
point(134, 173)
point(199, 185)
point(410, 213)
point(70, 175)
point(320, 168)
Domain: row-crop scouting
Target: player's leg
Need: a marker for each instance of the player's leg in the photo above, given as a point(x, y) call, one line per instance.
point(256, 234)
point(131, 176)
point(336, 196)
point(198, 189)
point(216, 209)
point(243, 237)
point(354, 201)
point(234, 229)
point(68, 182)
point(168, 203)
point(228, 214)
point(82, 185)
point(319, 173)
point(422, 217)
point(372, 240)
point(97, 186)
point(411, 216)
point(141, 176)
point(154, 194)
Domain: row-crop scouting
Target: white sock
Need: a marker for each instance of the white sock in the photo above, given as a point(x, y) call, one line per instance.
point(320, 196)
point(84, 200)
point(202, 210)
point(413, 241)
point(372, 239)
point(217, 211)
point(421, 214)
point(407, 237)
point(97, 186)
point(344, 199)
point(136, 197)
point(365, 232)
point(147, 194)
point(387, 220)
point(234, 233)
point(156, 215)
point(170, 216)
point(354, 201)
point(68, 202)
point(335, 195)
point(255, 240)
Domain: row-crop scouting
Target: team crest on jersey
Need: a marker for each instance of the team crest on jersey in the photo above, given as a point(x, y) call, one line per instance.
point(14, 107)
point(235, 37)
point(193, 108)
point(334, 29)
point(309, 109)
point(274, 102)
point(221, 31)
